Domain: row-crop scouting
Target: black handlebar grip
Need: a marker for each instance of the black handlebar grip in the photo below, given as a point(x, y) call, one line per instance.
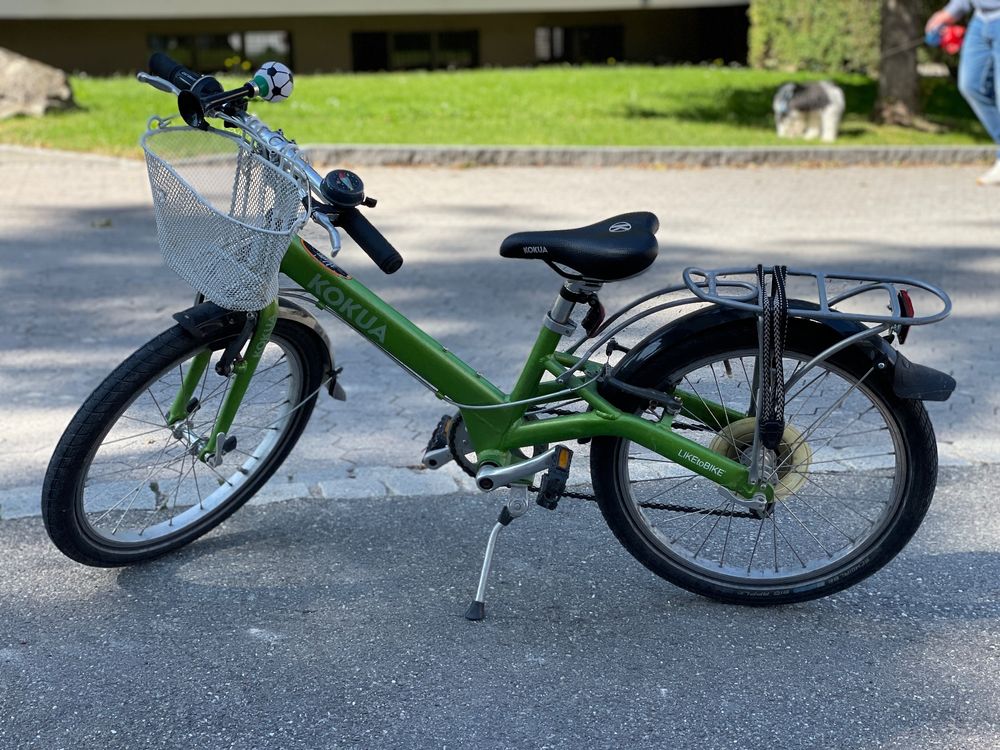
point(162, 66)
point(370, 240)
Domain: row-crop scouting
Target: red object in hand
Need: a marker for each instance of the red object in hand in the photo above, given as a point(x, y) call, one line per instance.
point(951, 39)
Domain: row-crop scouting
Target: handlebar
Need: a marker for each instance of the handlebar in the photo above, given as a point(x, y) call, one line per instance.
point(205, 96)
point(369, 239)
point(162, 66)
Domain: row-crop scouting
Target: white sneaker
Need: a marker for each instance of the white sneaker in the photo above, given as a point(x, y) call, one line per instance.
point(992, 177)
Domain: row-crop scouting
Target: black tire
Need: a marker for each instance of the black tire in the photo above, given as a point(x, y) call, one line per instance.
point(645, 513)
point(93, 460)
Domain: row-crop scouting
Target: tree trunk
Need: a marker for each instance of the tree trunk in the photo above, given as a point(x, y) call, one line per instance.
point(899, 85)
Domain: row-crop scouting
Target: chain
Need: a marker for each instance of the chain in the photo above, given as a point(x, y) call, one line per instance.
point(664, 506)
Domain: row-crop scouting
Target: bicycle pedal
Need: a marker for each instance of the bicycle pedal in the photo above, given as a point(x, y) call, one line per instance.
point(553, 483)
point(437, 453)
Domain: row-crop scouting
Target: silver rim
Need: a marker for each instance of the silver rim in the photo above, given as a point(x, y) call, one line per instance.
point(144, 484)
point(838, 496)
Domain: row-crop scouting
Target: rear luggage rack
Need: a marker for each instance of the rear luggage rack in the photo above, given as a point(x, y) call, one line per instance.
point(711, 286)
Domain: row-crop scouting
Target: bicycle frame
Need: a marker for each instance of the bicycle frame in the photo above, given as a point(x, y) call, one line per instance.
point(496, 430)
point(496, 424)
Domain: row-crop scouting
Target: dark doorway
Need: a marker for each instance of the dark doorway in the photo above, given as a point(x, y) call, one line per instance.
point(370, 50)
point(580, 44)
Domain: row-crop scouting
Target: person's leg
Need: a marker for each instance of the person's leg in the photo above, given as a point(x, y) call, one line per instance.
point(977, 81)
point(991, 31)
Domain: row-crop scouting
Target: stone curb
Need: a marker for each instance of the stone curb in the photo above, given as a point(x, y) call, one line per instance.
point(587, 156)
point(7, 148)
point(365, 483)
point(582, 156)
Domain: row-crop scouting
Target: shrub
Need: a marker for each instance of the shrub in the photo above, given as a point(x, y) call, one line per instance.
point(820, 35)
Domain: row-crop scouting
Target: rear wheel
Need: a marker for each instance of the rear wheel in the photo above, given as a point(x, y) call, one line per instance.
point(855, 473)
point(123, 486)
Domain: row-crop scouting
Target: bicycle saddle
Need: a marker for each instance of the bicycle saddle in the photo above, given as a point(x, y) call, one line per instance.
point(610, 250)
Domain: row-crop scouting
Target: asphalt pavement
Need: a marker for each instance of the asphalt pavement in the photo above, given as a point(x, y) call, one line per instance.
point(334, 619)
point(320, 624)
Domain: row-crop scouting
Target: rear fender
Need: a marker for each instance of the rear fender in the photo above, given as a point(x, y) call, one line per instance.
point(645, 362)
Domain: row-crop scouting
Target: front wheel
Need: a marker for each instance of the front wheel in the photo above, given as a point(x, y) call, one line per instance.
point(854, 475)
point(123, 486)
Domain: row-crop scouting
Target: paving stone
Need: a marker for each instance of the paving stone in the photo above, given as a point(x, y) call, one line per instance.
point(20, 502)
point(112, 292)
point(411, 482)
point(278, 491)
point(346, 488)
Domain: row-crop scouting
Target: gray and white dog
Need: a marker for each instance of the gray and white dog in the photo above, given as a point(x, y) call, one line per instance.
point(809, 110)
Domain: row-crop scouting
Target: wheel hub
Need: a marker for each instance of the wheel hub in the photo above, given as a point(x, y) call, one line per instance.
point(792, 458)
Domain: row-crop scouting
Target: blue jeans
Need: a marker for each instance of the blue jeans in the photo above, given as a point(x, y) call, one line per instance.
point(977, 67)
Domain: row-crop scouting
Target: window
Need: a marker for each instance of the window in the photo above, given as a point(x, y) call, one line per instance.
point(549, 43)
point(235, 51)
point(579, 44)
point(457, 49)
point(414, 50)
point(411, 51)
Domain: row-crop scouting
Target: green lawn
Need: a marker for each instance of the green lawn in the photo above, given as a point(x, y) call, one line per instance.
point(599, 106)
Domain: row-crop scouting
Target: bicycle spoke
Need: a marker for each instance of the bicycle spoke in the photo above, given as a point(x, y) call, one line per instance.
point(162, 414)
point(725, 543)
point(831, 523)
point(133, 437)
point(134, 465)
point(158, 425)
point(790, 545)
point(709, 535)
point(711, 414)
point(805, 528)
point(816, 519)
point(671, 488)
point(850, 507)
point(756, 542)
point(718, 389)
point(699, 521)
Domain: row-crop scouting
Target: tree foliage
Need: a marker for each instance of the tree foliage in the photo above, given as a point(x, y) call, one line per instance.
point(821, 35)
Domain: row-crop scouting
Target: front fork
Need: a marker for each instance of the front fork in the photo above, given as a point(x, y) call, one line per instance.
point(242, 374)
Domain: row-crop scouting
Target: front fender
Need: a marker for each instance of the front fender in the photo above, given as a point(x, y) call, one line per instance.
point(207, 321)
point(651, 356)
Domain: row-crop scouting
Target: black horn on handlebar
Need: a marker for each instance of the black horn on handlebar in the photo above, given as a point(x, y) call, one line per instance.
point(194, 104)
point(198, 92)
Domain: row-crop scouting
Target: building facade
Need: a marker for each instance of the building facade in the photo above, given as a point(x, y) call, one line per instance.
point(102, 37)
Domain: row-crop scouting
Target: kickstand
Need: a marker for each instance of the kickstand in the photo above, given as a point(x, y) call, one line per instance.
point(516, 506)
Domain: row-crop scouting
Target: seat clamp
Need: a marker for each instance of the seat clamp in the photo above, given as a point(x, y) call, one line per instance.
point(563, 329)
point(574, 296)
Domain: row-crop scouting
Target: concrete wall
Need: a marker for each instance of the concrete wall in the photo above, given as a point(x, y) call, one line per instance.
point(101, 47)
point(175, 9)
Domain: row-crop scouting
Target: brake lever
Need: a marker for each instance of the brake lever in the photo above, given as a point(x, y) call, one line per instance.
point(324, 221)
point(158, 83)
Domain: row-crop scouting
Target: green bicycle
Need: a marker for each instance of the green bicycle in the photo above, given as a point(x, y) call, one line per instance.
point(760, 449)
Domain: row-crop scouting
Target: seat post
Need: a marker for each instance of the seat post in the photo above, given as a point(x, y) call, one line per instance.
point(572, 292)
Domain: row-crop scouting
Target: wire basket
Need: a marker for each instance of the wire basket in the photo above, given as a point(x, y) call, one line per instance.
point(224, 214)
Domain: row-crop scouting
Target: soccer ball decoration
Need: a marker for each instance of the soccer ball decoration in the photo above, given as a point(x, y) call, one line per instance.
point(275, 81)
